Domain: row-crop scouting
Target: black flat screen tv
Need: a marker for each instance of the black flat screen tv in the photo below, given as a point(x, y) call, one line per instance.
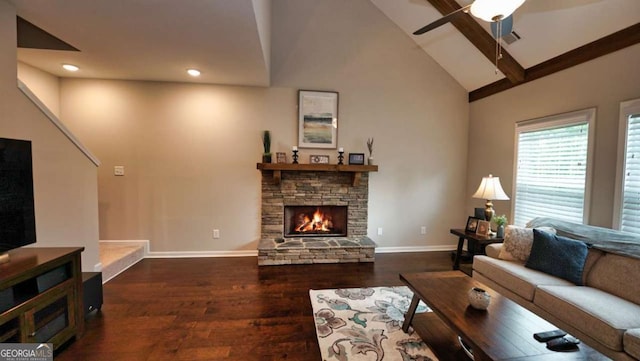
point(17, 210)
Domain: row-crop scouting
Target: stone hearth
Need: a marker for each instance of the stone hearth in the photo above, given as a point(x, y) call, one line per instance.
point(314, 185)
point(316, 250)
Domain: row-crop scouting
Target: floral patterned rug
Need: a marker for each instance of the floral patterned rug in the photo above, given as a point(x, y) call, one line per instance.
point(366, 324)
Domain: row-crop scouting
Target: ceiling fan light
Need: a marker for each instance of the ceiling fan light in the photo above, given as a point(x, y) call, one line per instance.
point(488, 10)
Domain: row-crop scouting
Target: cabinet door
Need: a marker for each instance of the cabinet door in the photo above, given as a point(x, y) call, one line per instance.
point(10, 331)
point(52, 322)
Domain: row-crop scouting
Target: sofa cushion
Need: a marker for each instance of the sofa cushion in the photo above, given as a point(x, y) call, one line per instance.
point(514, 276)
point(590, 311)
point(558, 256)
point(631, 342)
point(618, 275)
point(592, 258)
point(517, 243)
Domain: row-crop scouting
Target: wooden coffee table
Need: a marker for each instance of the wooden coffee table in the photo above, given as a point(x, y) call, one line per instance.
point(503, 332)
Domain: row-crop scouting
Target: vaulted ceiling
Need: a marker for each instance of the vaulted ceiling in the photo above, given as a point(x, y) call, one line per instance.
point(553, 34)
point(229, 41)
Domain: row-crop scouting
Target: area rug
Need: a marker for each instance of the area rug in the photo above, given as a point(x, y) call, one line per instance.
point(366, 324)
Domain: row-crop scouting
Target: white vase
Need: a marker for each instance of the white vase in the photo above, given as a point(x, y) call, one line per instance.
point(370, 161)
point(479, 298)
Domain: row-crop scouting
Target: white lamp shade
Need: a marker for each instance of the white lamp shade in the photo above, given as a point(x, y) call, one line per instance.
point(491, 189)
point(487, 10)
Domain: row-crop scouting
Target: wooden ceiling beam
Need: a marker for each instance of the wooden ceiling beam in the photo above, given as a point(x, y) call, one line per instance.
point(481, 39)
point(603, 46)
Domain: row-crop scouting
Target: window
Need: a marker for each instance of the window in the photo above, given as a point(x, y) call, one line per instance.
point(627, 210)
point(552, 167)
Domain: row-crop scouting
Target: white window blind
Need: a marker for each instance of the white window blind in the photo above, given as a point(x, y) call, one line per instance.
point(630, 214)
point(552, 168)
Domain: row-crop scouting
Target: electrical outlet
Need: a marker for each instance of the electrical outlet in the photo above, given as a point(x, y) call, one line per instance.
point(379, 231)
point(423, 230)
point(118, 170)
point(216, 233)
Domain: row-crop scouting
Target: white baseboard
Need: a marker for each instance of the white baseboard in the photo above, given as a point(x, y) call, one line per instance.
point(415, 249)
point(254, 253)
point(197, 254)
point(97, 267)
point(120, 271)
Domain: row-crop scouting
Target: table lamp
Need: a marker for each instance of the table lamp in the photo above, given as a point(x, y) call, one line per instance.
point(490, 189)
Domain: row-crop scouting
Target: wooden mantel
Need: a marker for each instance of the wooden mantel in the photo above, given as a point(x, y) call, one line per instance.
point(356, 170)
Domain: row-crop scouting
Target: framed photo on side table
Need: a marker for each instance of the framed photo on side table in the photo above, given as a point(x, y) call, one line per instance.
point(484, 228)
point(317, 119)
point(472, 225)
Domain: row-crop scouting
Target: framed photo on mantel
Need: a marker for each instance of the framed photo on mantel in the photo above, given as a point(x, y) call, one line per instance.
point(319, 159)
point(356, 158)
point(317, 119)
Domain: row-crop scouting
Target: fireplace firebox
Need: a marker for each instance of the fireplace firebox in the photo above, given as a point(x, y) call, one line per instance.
point(315, 221)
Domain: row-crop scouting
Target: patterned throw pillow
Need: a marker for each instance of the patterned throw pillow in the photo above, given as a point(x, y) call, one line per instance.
point(517, 243)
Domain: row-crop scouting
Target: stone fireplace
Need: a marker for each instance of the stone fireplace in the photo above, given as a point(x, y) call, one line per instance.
point(314, 214)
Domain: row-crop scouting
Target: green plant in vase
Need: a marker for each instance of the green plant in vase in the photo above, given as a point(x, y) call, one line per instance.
point(500, 222)
point(266, 143)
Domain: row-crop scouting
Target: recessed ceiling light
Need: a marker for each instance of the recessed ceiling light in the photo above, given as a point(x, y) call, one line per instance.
point(70, 67)
point(193, 72)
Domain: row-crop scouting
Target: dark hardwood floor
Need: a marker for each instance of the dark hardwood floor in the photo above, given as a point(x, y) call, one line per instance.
point(225, 308)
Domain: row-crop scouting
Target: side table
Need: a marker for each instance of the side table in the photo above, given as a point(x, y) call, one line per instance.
point(475, 244)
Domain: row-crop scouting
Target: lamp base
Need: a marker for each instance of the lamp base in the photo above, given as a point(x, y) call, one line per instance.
point(488, 211)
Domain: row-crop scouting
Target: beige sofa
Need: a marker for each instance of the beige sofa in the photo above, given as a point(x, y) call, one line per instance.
point(604, 313)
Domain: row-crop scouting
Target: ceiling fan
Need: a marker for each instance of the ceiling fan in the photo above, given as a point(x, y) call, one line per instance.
point(493, 11)
point(497, 12)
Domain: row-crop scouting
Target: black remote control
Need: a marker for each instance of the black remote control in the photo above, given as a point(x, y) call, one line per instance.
point(563, 344)
point(548, 335)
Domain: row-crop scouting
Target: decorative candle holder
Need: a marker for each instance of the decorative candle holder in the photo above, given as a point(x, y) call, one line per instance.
point(340, 157)
point(295, 156)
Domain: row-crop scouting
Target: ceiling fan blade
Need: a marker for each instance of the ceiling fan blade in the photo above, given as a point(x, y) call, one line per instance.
point(507, 26)
point(443, 20)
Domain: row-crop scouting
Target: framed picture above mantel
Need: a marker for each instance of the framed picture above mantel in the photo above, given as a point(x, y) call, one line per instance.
point(317, 119)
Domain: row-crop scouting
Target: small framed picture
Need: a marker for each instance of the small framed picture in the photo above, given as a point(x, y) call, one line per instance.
point(472, 224)
point(356, 158)
point(281, 157)
point(319, 159)
point(483, 228)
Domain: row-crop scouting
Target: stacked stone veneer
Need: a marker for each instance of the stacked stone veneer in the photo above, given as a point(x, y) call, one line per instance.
point(309, 188)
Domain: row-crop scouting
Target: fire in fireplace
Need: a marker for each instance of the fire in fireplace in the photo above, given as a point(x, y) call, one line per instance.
point(314, 221)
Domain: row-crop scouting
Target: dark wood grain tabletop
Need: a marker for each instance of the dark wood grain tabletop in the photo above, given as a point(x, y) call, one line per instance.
point(503, 332)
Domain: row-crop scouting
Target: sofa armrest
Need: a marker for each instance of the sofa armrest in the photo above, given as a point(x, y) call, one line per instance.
point(493, 250)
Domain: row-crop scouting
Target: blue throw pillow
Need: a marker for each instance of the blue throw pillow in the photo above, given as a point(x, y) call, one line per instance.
point(558, 256)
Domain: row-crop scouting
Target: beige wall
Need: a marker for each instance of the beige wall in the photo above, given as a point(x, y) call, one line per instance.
point(45, 85)
point(65, 183)
point(602, 83)
point(190, 151)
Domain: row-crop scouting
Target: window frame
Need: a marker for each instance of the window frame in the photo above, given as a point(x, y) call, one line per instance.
point(557, 121)
point(627, 108)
